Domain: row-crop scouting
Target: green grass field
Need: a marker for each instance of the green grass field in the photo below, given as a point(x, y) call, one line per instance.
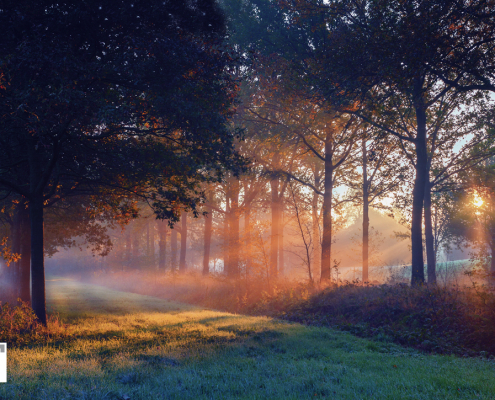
point(128, 346)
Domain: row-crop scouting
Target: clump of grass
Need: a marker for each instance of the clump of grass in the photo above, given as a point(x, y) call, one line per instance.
point(19, 325)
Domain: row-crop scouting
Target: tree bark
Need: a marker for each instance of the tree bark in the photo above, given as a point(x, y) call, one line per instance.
point(366, 220)
point(25, 251)
point(281, 258)
point(316, 227)
point(234, 229)
point(429, 238)
point(274, 240)
point(162, 244)
point(326, 245)
point(492, 251)
point(417, 270)
point(173, 248)
point(148, 240)
point(15, 243)
point(128, 246)
point(492, 245)
point(247, 238)
point(135, 250)
point(183, 242)
point(37, 257)
point(226, 234)
point(207, 237)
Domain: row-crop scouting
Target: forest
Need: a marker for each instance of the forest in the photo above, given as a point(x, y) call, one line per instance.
point(322, 170)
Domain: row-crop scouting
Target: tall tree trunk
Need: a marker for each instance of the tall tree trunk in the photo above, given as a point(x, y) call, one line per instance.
point(152, 244)
point(15, 243)
point(173, 248)
point(492, 252)
point(148, 243)
point(417, 270)
point(128, 245)
point(326, 244)
point(37, 257)
point(135, 250)
point(162, 244)
point(366, 219)
point(281, 258)
point(226, 234)
point(492, 244)
point(429, 238)
point(25, 251)
point(207, 237)
point(248, 238)
point(274, 242)
point(316, 226)
point(183, 242)
point(234, 229)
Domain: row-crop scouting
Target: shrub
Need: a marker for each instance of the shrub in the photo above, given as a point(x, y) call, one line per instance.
point(19, 325)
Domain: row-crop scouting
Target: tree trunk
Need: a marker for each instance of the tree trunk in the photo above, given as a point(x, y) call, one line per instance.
point(173, 248)
point(417, 270)
point(247, 238)
point(183, 242)
point(148, 240)
point(234, 229)
point(128, 245)
point(492, 246)
point(162, 244)
point(326, 245)
point(135, 250)
point(281, 260)
point(152, 244)
point(429, 238)
point(15, 244)
point(226, 234)
point(316, 227)
point(25, 251)
point(274, 241)
point(492, 251)
point(366, 220)
point(207, 238)
point(37, 257)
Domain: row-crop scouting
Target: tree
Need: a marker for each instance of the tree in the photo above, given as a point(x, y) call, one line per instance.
point(130, 97)
point(381, 56)
point(381, 174)
point(472, 216)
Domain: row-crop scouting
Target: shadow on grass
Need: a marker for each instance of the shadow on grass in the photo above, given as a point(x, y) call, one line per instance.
point(153, 348)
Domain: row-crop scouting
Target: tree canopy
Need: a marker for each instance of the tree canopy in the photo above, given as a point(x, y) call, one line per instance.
point(125, 97)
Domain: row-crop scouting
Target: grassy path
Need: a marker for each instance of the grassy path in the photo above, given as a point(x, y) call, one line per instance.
point(128, 346)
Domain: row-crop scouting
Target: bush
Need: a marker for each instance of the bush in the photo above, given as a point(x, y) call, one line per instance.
point(19, 325)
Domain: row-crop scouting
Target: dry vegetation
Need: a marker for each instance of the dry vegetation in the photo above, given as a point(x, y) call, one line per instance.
point(119, 345)
point(19, 326)
point(446, 320)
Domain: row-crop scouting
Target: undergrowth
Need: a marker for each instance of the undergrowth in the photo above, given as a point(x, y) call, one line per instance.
point(434, 319)
point(446, 320)
point(19, 326)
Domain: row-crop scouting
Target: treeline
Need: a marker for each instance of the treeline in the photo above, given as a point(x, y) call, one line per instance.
point(300, 107)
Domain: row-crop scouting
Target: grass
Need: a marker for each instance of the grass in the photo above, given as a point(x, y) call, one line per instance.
point(121, 345)
point(441, 319)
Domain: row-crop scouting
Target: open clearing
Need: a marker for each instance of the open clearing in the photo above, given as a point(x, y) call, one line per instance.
point(128, 346)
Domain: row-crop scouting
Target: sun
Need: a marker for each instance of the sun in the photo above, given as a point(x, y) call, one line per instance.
point(477, 200)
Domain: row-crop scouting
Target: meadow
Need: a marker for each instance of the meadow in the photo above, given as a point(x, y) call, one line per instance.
point(120, 345)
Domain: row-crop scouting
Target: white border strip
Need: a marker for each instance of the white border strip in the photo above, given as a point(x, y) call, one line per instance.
point(3, 362)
